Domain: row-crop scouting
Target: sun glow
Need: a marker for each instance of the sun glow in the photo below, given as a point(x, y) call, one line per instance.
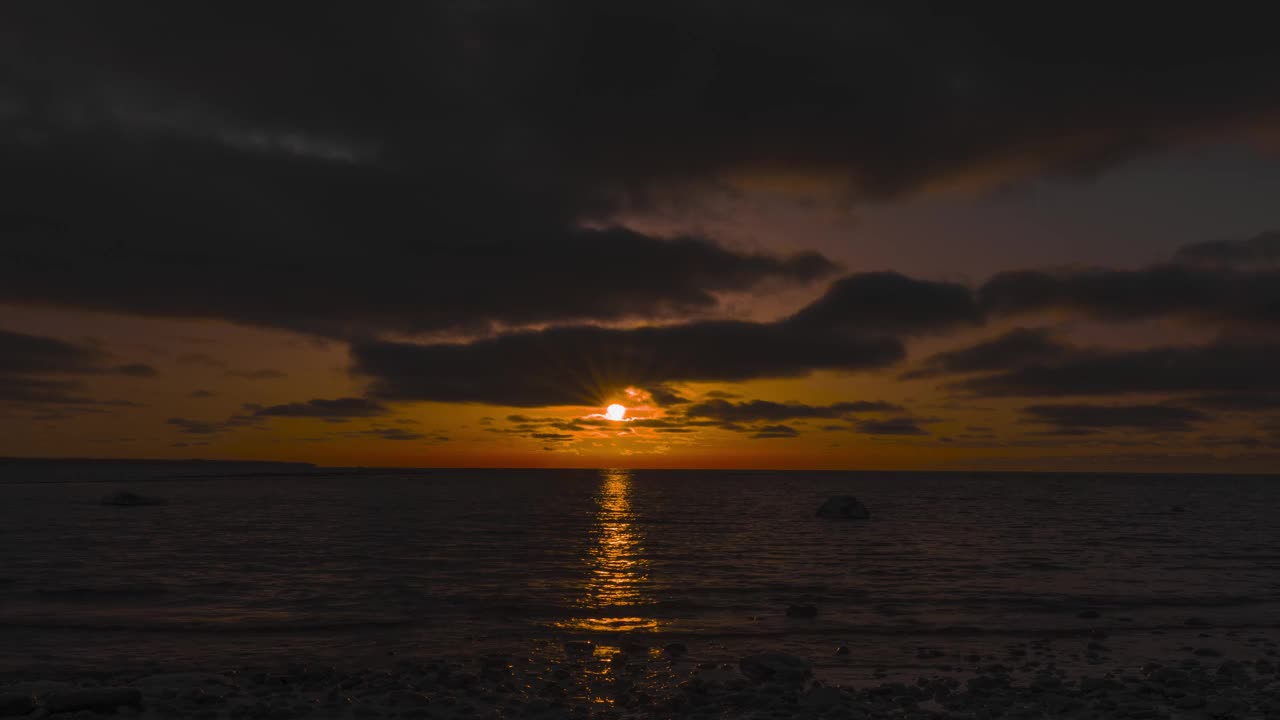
point(615, 412)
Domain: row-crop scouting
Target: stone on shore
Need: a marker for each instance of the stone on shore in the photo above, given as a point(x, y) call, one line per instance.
point(844, 507)
point(776, 667)
point(767, 686)
point(100, 700)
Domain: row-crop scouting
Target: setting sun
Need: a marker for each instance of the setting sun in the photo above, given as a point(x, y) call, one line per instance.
point(615, 412)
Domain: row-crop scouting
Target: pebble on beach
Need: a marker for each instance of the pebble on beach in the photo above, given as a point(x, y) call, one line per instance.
point(593, 680)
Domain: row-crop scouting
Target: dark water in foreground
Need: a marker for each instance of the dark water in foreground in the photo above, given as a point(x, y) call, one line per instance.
point(243, 569)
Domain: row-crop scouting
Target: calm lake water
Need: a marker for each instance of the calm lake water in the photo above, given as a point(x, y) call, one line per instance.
point(339, 564)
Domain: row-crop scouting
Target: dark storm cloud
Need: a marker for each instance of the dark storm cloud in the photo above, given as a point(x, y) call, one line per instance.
point(263, 374)
point(406, 268)
point(1260, 251)
point(22, 354)
point(1217, 282)
point(39, 391)
point(137, 370)
point(412, 167)
point(1076, 419)
point(214, 427)
point(765, 410)
point(774, 431)
point(892, 426)
point(402, 434)
point(27, 360)
point(331, 410)
point(675, 422)
point(1219, 367)
point(1239, 402)
point(583, 365)
point(1018, 347)
point(338, 410)
point(1216, 295)
point(196, 427)
point(665, 396)
point(27, 354)
point(891, 302)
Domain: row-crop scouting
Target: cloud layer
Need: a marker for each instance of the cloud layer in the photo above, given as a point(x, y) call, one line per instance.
point(856, 325)
point(455, 167)
point(28, 361)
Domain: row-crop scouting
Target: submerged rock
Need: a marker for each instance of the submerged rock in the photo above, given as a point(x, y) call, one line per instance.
point(130, 499)
point(846, 507)
point(776, 667)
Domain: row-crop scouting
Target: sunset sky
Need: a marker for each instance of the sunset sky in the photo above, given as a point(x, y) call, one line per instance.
point(451, 234)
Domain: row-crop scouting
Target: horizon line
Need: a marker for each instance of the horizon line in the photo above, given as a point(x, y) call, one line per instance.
point(310, 466)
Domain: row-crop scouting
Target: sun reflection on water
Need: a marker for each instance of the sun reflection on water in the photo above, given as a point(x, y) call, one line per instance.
point(618, 571)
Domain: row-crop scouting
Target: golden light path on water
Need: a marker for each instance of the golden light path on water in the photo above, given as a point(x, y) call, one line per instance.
point(617, 569)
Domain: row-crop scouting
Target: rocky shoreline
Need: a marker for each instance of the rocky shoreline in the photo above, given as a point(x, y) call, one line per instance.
point(592, 681)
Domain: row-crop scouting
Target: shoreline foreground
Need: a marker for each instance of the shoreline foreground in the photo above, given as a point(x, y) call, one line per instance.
point(636, 681)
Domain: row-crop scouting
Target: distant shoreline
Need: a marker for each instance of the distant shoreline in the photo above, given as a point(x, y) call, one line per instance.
point(11, 460)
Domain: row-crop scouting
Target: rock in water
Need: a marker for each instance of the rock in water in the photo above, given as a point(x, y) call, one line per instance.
point(16, 704)
point(129, 499)
point(776, 667)
point(845, 507)
point(100, 700)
